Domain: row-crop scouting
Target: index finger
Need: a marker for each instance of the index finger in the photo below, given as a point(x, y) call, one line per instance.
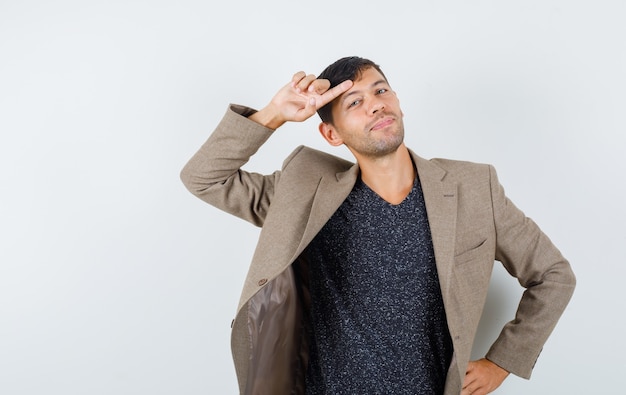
point(333, 93)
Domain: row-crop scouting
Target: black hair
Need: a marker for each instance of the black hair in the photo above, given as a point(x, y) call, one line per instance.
point(348, 68)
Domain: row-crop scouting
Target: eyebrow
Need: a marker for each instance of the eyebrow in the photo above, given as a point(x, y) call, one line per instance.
point(380, 81)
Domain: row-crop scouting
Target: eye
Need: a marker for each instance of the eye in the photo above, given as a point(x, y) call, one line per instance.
point(381, 90)
point(354, 103)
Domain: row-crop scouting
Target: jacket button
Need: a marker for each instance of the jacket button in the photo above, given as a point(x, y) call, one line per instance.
point(262, 282)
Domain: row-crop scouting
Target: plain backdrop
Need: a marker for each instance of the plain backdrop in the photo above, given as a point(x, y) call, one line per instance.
point(115, 280)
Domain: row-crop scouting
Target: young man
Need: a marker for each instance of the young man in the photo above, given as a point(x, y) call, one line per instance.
point(370, 277)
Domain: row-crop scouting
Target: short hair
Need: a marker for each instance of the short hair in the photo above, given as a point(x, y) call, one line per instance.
point(347, 68)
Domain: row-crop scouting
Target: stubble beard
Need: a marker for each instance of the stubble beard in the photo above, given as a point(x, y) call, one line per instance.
point(376, 147)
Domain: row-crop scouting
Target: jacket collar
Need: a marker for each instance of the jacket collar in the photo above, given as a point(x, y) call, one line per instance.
point(440, 197)
point(331, 191)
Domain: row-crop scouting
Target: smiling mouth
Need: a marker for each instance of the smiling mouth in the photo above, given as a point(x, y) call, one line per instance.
point(383, 123)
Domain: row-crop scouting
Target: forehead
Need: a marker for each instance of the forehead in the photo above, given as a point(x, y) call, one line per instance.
point(367, 79)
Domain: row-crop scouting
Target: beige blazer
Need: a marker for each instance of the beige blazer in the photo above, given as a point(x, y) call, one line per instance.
point(472, 224)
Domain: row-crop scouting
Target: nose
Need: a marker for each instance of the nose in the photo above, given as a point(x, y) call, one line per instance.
point(376, 106)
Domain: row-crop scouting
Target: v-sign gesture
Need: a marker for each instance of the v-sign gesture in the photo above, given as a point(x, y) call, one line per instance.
point(298, 100)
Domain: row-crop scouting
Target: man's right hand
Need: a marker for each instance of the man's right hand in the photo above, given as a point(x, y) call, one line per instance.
point(298, 100)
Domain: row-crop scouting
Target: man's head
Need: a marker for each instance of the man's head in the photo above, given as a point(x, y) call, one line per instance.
point(348, 68)
point(367, 117)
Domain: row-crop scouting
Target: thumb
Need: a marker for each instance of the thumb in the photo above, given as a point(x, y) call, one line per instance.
point(311, 106)
point(309, 109)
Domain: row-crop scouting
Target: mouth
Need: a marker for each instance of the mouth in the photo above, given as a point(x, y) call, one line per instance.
point(382, 123)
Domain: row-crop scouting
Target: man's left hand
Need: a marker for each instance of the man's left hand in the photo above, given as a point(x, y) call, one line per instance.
point(482, 377)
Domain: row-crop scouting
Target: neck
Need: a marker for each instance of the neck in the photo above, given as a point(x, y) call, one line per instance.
point(391, 176)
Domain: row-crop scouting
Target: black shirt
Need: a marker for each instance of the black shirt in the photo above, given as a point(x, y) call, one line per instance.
point(378, 324)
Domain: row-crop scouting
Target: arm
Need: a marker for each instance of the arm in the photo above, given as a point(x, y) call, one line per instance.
point(214, 173)
point(529, 255)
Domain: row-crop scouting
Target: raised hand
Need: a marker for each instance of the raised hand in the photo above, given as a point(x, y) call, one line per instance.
point(298, 100)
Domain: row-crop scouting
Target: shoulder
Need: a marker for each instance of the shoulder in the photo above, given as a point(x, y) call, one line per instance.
point(461, 168)
point(468, 176)
point(471, 177)
point(311, 160)
point(453, 169)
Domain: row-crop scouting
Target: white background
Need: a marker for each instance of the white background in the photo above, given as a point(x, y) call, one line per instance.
point(115, 280)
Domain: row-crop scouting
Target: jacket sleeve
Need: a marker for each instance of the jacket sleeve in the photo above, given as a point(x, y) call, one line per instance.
point(214, 173)
point(529, 255)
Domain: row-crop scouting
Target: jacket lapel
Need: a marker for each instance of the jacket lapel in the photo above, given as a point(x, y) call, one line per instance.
point(441, 207)
point(331, 191)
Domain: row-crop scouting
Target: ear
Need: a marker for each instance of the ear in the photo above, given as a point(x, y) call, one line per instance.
point(330, 134)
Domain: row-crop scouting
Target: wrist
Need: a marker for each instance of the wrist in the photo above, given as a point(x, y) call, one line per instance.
point(267, 117)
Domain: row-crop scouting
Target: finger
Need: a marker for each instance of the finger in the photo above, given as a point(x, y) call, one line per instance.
point(307, 111)
point(470, 390)
point(469, 384)
point(334, 92)
point(311, 106)
point(466, 391)
point(297, 77)
point(304, 83)
point(319, 86)
point(469, 379)
point(477, 391)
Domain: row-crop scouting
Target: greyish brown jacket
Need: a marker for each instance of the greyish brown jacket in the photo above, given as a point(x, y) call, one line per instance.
point(472, 223)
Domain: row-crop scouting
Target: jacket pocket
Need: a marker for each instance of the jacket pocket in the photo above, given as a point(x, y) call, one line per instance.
point(471, 254)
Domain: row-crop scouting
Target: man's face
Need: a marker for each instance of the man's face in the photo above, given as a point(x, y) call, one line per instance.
point(367, 118)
